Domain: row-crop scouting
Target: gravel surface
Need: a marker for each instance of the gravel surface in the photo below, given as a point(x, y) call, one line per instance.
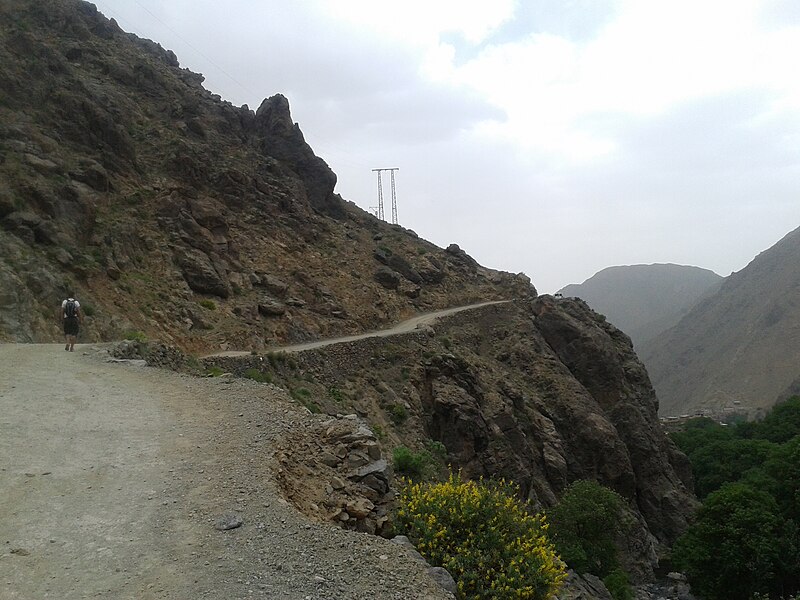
point(123, 481)
point(404, 327)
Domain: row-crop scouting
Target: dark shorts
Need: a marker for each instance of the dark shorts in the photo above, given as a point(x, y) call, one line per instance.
point(71, 326)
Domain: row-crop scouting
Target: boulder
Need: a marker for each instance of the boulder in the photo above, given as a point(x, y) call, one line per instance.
point(583, 587)
point(442, 576)
point(402, 266)
point(199, 272)
point(92, 174)
point(272, 284)
point(387, 278)
point(269, 307)
point(460, 257)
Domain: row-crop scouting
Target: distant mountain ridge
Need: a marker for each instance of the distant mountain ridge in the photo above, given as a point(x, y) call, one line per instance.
point(740, 348)
point(645, 300)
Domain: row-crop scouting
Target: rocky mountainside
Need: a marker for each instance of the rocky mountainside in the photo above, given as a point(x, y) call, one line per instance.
point(541, 391)
point(645, 300)
point(739, 350)
point(173, 213)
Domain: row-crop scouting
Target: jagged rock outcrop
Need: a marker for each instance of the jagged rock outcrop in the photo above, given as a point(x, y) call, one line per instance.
point(336, 471)
point(277, 136)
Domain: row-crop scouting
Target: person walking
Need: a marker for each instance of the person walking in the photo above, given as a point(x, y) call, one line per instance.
point(72, 319)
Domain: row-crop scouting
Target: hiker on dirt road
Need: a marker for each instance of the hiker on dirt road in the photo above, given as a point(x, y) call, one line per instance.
point(71, 318)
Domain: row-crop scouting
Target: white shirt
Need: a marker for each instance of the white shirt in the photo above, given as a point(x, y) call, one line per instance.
point(64, 305)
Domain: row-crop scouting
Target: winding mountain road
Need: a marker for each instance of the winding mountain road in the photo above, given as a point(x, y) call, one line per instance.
point(400, 328)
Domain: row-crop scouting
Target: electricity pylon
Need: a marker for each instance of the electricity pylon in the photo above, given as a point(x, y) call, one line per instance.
point(380, 193)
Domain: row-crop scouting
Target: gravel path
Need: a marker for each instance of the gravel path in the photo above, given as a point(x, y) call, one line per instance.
point(113, 477)
point(404, 327)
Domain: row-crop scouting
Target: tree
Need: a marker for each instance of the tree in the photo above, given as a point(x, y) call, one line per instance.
point(783, 466)
point(730, 552)
point(726, 461)
point(583, 526)
point(782, 423)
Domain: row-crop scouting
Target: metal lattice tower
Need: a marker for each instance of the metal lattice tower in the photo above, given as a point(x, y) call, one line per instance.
point(380, 193)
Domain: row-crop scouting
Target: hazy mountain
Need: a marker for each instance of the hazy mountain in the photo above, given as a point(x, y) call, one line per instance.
point(740, 348)
point(644, 300)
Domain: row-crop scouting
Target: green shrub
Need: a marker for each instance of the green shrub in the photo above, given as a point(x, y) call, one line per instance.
point(88, 310)
point(303, 396)
point(437, 449)
point(583, 526)
point(618, 585)
point(258, 376)
point(207, 303)
point(300, 393)
point(336, 395)
point(411, 464)
point(276, 358)
point(214, 371)
point(135, 336)
point(398, 414)
point(484, 536)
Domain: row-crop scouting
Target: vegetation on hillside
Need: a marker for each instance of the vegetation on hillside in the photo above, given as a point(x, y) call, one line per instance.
point(746, 539)
point(488, 539)
point(584, 525)
point(495, 545)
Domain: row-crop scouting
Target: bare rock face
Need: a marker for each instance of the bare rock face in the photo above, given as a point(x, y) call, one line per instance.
point(583, 587)
point(277, 136)
point(548, 393)
point(602, 359)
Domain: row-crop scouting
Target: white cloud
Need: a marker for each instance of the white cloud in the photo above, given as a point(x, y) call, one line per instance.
point(422, 22)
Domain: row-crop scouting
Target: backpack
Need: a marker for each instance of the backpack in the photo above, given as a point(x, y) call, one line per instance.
point(70, 309)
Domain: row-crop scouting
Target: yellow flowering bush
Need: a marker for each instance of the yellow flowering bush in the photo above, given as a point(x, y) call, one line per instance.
point(488, 539)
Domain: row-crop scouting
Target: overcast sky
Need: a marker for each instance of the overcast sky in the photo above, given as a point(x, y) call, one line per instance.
point(552, 137)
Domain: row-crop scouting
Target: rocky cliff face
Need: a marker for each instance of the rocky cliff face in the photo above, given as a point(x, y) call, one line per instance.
point(645, 300)
point(737, 350)
point(171, 212)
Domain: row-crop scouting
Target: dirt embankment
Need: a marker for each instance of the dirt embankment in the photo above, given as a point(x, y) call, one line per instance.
point(114, 477)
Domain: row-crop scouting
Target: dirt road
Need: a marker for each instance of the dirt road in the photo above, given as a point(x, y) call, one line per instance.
point(404, 327)
point(112, 477)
